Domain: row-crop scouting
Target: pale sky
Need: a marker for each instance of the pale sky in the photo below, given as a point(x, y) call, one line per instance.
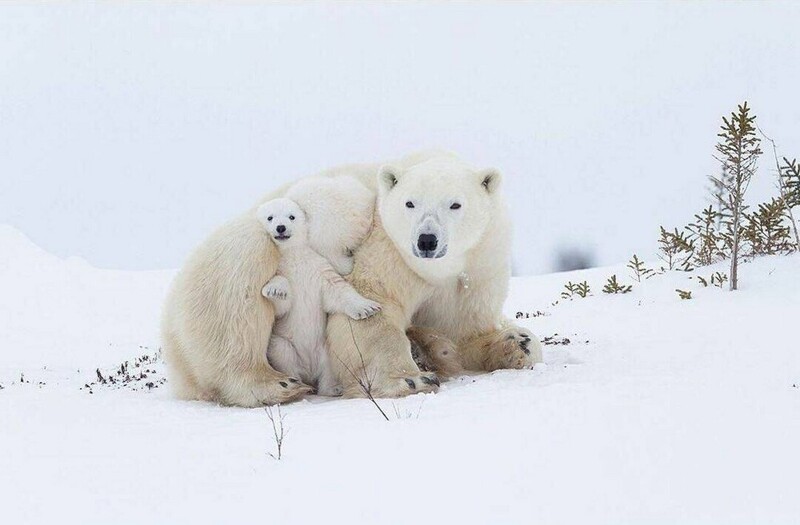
point(130, 131)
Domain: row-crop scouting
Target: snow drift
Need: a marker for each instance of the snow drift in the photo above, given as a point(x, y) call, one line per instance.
point(649, 409)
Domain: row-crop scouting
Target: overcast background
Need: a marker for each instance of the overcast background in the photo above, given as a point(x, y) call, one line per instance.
point(129, 131)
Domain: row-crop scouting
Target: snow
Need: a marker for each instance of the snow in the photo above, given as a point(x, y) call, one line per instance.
point(658, 410)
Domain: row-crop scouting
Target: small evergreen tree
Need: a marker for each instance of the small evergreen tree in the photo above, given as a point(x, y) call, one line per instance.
point(789, 184)
point(767, 231)
point(738, 151)
point(639, 270)
point(612, 286)
point(789, 178)
point(579, 289)
point(676, 249)
point(709, 243)
point(718, 279)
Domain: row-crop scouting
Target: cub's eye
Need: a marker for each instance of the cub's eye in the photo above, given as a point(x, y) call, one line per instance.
point(409, 204)
point(269, 218)
point(291, 217)
point(455, 206)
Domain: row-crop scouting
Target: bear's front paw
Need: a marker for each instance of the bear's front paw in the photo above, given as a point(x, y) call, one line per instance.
point(362, 309)
point(277, 288)
point(395, 386)
point(424, 382)
point(278, 391)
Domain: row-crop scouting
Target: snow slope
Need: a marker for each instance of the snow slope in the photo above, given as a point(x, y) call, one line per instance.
point(658, 410)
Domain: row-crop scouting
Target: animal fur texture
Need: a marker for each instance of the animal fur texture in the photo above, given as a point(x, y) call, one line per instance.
point(216, 321)
point(304, 291)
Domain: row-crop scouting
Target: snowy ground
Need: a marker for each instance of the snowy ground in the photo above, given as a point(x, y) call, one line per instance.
point(657, 410)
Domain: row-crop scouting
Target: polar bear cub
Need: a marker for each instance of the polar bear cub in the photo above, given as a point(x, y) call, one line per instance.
point(305, 289)
point(339, 212)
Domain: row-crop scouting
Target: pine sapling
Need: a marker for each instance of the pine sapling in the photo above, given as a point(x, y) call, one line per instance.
point(790, 175)
point(789, 186)
point(639, 270)
point(709, 244)
point(738, 150)
point(612, 286)
point(718, 279)
point(767, 230)
point(676, 249)
point(790, 190)
point(579, 289)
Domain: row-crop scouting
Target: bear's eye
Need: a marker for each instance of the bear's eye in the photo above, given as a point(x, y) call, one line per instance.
point(291, 217)
point(455, 206)
point(409, 204)
point(269, 218)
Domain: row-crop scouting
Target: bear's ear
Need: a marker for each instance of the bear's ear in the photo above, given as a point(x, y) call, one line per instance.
point(387, 178)
point(490, 179)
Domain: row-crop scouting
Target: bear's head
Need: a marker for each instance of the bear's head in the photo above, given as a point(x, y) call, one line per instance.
point(436, 211)
point(285, 222)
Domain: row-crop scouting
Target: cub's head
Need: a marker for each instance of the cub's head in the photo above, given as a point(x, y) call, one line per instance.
point(285, 222)
point(437, 210)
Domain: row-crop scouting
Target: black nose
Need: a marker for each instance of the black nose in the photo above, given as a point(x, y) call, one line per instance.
point(281, 228)
point(427, 242)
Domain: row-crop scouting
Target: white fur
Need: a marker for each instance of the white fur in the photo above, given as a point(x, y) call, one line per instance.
point(216, 321)
point(426, 289)
point(339, 213)
point(306, 289)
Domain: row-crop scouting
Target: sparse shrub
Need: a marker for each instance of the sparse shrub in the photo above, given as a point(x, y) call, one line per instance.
point(612, 286)
point(639, 270)
point(579, 289)
point(790, 177)
point(708, 243)
point(676, 249)
point(718, 279)
point(684, 294)
point(766, 231)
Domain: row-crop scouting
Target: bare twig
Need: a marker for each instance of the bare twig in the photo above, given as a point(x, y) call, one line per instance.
point(279, 431)
point(363, 379)
point(407, 414)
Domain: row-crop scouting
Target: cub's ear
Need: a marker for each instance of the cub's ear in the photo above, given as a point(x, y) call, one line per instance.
point(388, 176)
point(490, 179)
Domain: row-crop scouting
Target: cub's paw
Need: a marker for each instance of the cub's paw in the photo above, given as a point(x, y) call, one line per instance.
point(362, 308)
point(277, 288)
point(519, 348)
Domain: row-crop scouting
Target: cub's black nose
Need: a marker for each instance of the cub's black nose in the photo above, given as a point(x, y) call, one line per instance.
point(427, 242)
point(281, 228)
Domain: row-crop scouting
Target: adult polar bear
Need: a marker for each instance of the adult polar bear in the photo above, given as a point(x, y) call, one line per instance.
point(440, 266)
